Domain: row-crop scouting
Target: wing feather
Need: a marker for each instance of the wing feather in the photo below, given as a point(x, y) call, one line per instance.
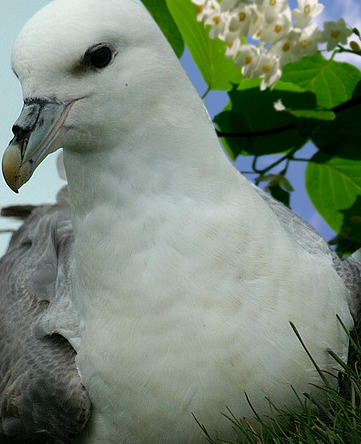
point(42, 399)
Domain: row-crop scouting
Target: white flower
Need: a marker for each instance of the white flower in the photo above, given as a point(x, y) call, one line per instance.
point(308, 41)
point(209, 13)
point(274, 31)
point(218, 22)
point(268, 68)
point(288, 47)
point(306, 11)
point(269, 22)
point(238, 23)
point(275, 179)
point(205, 8)
point(271, 8)
point(279, 106)
point(227, 5)
point(248, 60)
point(271, 78)
point(218, 26)
point(335, 33)
point(233, 48)
point(257, 22)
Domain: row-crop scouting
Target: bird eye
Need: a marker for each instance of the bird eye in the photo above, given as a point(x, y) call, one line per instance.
point(99, 56)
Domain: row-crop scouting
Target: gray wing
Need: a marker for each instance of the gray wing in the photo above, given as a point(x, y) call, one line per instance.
point(349, 270)
point(42, 399)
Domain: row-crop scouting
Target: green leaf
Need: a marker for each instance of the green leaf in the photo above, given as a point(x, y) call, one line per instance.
point(280, 194)
point(334, 187)
point(332, 82)
point(305, 106)
point(252, 111)
point(159, 11)
point(317, 114)
point(208, 54)
point(346, 247)
point(335, 85)
point(344, 131)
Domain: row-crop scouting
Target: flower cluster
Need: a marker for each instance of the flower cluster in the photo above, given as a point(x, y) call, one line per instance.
point(280, 39)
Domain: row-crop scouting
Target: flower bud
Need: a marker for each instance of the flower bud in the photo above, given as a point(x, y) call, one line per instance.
point(355, 46)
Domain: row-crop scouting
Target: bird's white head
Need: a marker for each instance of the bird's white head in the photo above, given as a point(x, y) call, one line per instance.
point(77, 56)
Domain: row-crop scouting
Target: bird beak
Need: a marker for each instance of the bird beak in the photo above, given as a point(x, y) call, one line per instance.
point(37, 133)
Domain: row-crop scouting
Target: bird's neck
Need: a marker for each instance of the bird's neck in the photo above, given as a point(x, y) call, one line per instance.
point(176, 156)
point(141, 206)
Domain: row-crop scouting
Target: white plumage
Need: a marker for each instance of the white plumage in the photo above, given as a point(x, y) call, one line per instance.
point(185, 278)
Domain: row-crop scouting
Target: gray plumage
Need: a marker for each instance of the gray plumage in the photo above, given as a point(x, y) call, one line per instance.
point(42, 399)
point(307, 237)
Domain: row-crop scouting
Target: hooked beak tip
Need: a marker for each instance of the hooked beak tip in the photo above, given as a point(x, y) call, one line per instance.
point(15, 172)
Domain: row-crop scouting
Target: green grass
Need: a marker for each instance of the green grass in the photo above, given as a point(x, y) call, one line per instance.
point(336, 421)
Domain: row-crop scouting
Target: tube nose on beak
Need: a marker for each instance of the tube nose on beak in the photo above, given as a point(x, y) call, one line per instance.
point(37, 133)
point(15, 170)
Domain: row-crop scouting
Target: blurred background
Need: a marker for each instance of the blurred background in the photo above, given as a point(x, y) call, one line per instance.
point(46, 182)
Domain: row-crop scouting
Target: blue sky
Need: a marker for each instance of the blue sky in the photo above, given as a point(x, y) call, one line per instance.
point(45, 183)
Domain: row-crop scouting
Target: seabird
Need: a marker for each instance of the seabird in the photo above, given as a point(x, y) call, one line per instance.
point(162, 287)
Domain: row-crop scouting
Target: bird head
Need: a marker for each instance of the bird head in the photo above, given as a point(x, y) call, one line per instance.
point(74, 58)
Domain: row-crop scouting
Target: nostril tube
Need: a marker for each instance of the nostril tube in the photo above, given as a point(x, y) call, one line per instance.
point(17, 131)
point(21, 136)
point(27, 120)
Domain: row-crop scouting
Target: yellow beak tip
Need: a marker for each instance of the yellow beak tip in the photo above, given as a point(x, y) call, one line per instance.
point(12, 166)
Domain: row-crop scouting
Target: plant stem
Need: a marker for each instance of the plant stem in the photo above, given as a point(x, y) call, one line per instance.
point(205, 94)
point(342, 49)
point(288, 157)
point(258, 133)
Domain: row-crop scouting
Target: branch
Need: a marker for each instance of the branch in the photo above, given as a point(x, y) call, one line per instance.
point(287, 157)
point(337, 109)
point(342, 49)
point(347, 105)
point(258, 133)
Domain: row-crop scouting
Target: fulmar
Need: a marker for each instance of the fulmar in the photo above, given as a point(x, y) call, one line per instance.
point(162, 287)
